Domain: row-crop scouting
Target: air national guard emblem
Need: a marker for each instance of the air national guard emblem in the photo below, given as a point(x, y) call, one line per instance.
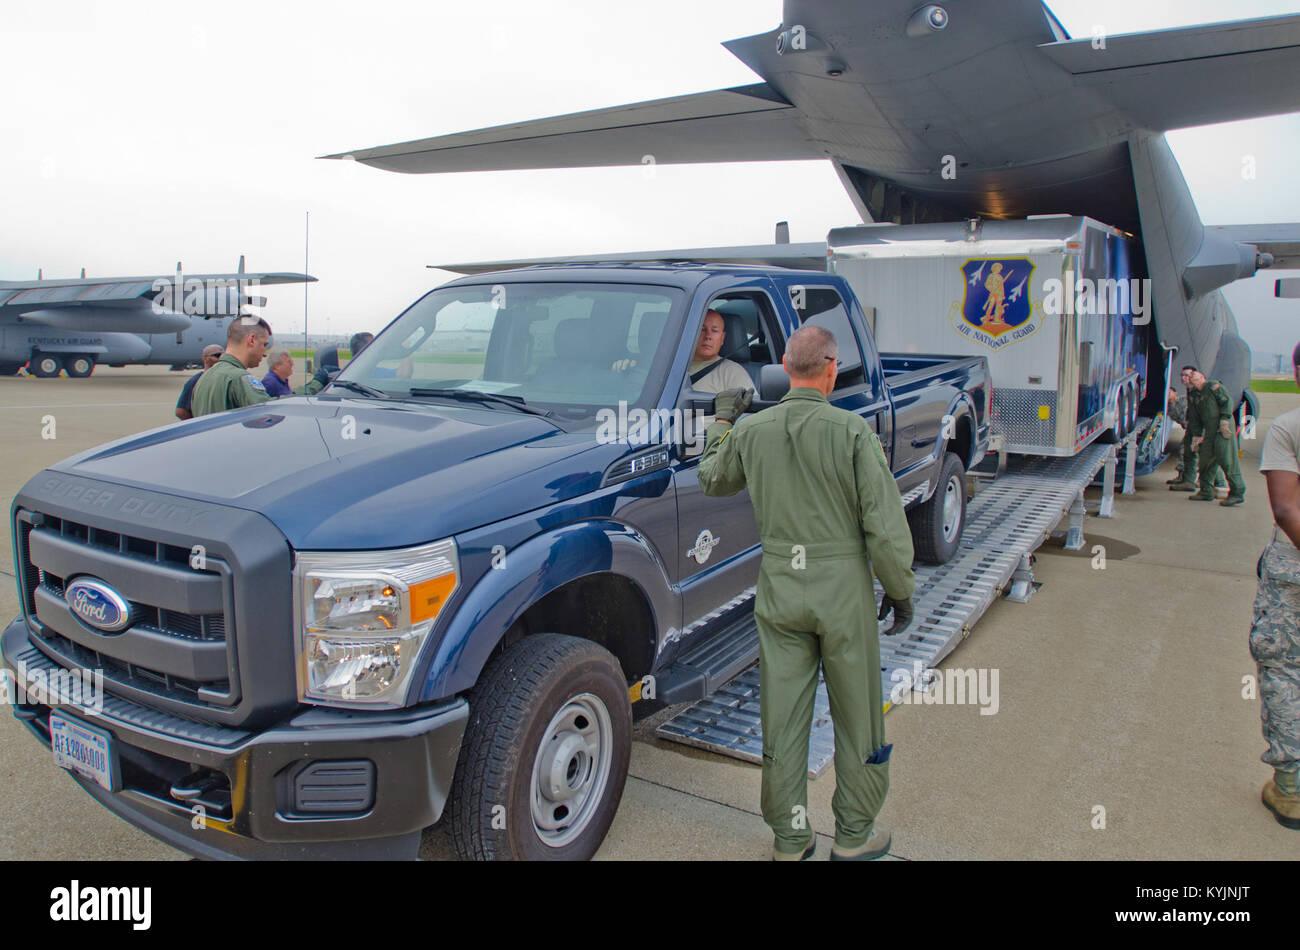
point(997, 309)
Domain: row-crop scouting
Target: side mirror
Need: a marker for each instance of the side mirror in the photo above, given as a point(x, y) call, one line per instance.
point(691, 406)
point(693, 403)
point(773, 383)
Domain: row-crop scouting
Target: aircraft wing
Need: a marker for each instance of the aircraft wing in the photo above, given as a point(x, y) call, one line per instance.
point(740, 124)
point(47, 294)
point(1175, 79)
point(1280, 240)
point(801, 256)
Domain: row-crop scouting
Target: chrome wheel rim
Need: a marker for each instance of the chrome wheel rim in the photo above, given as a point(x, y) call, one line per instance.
point(571, 770)
point(952, 508)
point(49, 366)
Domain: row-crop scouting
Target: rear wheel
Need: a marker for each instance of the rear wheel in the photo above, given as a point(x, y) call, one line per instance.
point(80, 366)
point(45, 365)
point(545, 754)
point(937, 524)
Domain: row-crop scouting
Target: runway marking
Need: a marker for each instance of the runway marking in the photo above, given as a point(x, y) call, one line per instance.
point(86, 405)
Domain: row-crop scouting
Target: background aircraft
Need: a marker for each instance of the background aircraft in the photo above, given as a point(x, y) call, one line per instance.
point(53, 325)
point(982, 108)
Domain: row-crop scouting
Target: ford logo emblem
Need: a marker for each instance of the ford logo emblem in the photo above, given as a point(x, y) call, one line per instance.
point(98, 604)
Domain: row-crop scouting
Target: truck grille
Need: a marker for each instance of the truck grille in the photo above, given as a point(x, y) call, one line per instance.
point(168, 652)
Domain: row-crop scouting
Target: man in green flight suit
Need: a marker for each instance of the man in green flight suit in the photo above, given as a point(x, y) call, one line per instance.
point(1214, 437)
point(1181, 410)
point(828, 512)
point(228, 384)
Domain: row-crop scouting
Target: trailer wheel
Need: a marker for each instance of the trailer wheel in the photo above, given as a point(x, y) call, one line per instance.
point(80, 366)
point(937, 525)
point(545, 754)
point(45, 365)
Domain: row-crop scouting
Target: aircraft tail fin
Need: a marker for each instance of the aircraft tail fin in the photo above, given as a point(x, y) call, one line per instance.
point(1280, 240)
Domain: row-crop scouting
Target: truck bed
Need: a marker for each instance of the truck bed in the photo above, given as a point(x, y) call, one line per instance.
point(903, 369)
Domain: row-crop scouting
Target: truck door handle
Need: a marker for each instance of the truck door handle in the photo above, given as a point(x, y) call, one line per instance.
point(918, 443)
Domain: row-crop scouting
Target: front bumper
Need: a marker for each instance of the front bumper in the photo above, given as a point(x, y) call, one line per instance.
point(243, 791)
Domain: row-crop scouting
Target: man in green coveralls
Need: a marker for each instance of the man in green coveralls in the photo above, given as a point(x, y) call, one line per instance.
point(228, 384)
point(1214, 437)
point(828, 511)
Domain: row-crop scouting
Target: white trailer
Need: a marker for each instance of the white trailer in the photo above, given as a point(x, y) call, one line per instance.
point(1053, 302)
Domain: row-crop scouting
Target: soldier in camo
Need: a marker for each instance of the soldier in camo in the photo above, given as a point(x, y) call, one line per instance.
point(1187, 460)
point(1275, 632)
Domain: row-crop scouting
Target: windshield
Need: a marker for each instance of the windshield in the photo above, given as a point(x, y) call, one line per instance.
point(576, 348)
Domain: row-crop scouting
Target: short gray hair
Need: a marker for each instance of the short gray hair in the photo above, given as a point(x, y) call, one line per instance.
point(277, 354)
point(808, 350)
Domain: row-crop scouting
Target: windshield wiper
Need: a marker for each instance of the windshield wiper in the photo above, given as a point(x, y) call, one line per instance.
point(359, 388)
point(475, 395)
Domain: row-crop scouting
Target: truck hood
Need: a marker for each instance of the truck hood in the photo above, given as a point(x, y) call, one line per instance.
point(354, 474)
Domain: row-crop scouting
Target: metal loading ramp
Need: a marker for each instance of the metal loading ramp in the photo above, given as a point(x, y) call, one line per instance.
point(1005, 523)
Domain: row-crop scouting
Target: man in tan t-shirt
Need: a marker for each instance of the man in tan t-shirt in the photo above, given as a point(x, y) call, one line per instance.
point(1275, 630)
point(726, 374)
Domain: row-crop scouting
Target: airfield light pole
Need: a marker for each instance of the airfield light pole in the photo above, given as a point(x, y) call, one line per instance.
point(306, 258)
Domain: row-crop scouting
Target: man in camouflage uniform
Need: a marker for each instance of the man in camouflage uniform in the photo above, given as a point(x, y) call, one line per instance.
point(1214, 436)
point(1185, 478)
point(228, 384)
point(828, 512)
point(1275, 632)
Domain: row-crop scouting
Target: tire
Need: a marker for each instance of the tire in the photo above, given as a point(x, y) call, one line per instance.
point(79, 365)
point(45, 365)
point(1117, 432)
point(543, 702)
point(937, 525)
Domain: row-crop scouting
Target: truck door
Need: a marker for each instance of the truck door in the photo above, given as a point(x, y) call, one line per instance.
point(718, 550)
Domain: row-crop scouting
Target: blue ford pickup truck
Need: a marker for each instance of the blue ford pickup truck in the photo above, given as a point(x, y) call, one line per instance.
point(443, 583)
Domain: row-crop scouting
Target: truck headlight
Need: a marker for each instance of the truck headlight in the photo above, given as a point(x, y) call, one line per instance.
point(362, 618)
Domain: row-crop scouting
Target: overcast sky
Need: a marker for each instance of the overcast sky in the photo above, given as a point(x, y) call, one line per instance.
point(136, 134)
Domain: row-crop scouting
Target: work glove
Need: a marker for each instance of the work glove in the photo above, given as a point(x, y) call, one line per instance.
point(1225, 428)
point(902, 614)
point(731, 403)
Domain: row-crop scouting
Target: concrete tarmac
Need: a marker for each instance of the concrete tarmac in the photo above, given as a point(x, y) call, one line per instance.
point(1125, 726)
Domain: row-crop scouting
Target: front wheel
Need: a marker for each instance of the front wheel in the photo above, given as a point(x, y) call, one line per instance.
point(937, 524)
point(545, 754)
point(45, 365)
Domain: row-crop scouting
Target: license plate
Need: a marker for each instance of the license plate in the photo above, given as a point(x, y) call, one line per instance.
point(80, 749)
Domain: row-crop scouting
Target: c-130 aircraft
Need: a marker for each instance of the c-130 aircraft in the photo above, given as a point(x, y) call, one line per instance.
point(979, 109)
point(72, 325)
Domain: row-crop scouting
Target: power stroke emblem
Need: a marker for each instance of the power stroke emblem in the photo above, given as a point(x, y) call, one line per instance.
point(704, 545)
point(98, 604)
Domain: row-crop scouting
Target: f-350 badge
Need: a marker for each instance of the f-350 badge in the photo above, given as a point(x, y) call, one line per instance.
point(704, 545)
